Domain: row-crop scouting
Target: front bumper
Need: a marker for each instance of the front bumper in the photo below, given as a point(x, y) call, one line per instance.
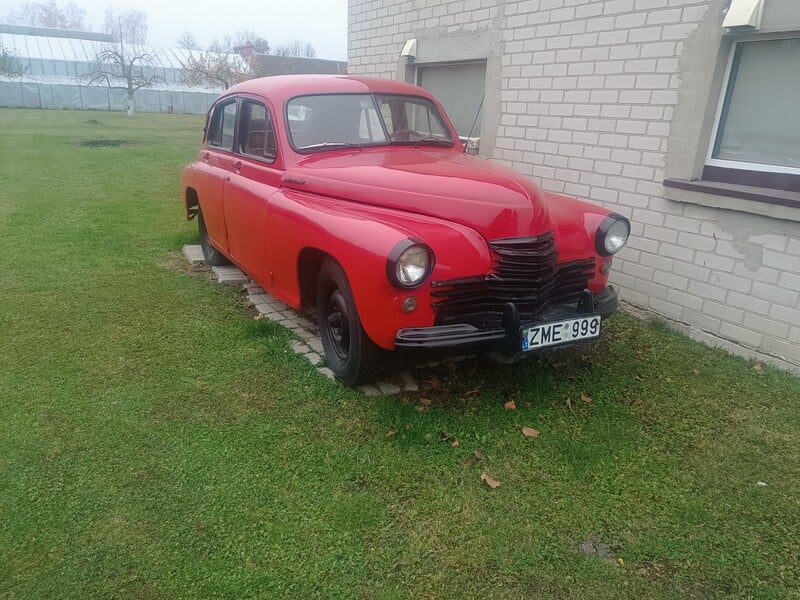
point(469, 337)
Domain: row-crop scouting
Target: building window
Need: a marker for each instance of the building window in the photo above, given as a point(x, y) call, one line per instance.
point(758, 122)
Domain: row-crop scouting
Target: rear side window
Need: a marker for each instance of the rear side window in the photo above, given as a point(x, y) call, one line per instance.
point(256, 134)
point(222, 126)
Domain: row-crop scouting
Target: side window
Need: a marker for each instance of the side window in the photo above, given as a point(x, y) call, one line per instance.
point(419, 119)
point(222, 125)
point(256, 133)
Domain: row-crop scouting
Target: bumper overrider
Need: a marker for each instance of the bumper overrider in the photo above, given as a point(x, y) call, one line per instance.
point(463, 336)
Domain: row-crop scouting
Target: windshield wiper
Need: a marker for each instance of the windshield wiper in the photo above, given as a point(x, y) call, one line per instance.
point(324, 145)
point(434, 140)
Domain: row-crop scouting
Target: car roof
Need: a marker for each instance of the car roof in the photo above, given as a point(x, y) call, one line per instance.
point(280, 88)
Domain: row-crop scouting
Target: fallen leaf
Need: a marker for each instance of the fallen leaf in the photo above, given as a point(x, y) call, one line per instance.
point(569, 403)
point(454, 443)
point(490, 481)
point(637, 402)
point(473, 392)
point(425, 401)
point(585, 398)
point(758, 367)
point(530, 432)
point(761, 483)
point(696, 371)
point(476, 457)
point(391, 432)
point(258, 317)
point(510, 405)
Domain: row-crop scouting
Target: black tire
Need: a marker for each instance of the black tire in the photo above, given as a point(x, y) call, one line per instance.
point(351, 355)
point(212, 256)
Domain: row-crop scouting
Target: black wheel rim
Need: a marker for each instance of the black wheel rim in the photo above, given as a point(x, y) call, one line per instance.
point(338, 325)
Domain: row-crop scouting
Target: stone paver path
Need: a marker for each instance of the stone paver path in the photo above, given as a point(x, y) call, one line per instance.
point(308, 344)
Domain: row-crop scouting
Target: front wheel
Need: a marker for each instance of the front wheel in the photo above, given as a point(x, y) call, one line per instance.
point(212, 256)
point(351, 355)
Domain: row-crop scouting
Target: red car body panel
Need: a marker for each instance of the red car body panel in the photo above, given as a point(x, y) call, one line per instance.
point(356, 205)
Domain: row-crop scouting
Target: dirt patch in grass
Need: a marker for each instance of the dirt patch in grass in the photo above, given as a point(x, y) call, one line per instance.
point(102, 143)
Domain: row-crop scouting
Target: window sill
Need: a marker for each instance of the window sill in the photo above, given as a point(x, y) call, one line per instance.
point(779, 204)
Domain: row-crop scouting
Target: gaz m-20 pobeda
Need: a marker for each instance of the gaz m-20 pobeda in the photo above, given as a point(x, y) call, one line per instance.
point(354, 196)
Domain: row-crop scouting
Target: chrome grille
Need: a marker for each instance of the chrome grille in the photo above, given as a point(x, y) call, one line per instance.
point(525, 271)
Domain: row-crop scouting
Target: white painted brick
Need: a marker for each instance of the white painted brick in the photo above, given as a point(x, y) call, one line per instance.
point(723, 311)
point(683, 299)
point(781, 347)
point(714, 261)
point(697, 242)
point(782, 261)
point(785, 314)
point(668, 309)
point(740, 334)
point(748, 303)
point(644, 34)
point(709, 292)
point(631, 21)
point(692, 271)
point(775, 294)
point(766, 326)
point(789, 281)
point(731, 282)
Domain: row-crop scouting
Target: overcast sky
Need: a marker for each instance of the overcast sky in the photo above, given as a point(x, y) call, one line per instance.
point(323, 23)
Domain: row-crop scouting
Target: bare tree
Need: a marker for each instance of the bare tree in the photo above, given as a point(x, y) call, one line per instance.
point(215, 70)
point(124, 67)
point(10, 65)
point(296, 48)
point(244, 37)
point(127, 27)
point(49, 14)
point(187, 41)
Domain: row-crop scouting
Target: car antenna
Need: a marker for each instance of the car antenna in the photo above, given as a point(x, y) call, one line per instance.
point(477, 114)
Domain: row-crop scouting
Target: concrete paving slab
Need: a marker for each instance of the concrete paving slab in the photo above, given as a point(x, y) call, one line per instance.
point(370, 391)
point(388, 389)
point(408, 382)
point(327, 372)
point(229, 275)
point(194, 254)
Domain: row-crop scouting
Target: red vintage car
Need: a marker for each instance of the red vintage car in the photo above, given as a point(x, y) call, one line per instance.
point(354, 196)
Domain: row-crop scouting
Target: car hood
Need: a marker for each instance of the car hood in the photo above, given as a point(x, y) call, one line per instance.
point(494, 200)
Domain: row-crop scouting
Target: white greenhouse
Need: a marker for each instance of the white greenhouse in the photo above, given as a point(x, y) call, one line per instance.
point(56, 65)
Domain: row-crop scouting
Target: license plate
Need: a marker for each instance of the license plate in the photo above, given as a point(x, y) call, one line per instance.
point(543, 335)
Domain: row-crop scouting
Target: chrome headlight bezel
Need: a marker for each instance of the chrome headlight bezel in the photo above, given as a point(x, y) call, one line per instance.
point(407, 257)
point(612, 234)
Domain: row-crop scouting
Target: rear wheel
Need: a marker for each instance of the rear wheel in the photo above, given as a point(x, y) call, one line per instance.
point(212, 256)
point(351, 354)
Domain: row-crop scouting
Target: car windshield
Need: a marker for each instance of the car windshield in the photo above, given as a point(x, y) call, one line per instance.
point(331, 121)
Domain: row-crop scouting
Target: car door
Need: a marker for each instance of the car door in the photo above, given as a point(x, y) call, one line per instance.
point(255, 177)
point(215, 164)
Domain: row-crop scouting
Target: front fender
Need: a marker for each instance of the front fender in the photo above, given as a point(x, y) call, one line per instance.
point(360, 238)
point(575, 224)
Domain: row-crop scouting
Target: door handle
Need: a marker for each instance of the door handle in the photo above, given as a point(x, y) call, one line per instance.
point(237, 164)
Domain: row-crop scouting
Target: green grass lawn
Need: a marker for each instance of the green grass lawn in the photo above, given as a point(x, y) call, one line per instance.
point(157, 442)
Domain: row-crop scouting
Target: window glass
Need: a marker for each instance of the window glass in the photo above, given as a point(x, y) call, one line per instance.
point(257, 136)
point(330, 121)
point(223, 122)
point(759, 122)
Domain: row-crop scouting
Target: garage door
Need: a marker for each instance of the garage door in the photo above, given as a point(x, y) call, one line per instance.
point(459, 87)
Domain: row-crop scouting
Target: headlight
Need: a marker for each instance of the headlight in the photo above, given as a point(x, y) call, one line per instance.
point(612, 234)
point(409, 264)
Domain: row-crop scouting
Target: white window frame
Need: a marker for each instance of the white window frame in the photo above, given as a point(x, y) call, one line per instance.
point(732, 164)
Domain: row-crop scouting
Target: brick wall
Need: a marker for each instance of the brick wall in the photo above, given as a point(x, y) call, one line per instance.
point(588, 94)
